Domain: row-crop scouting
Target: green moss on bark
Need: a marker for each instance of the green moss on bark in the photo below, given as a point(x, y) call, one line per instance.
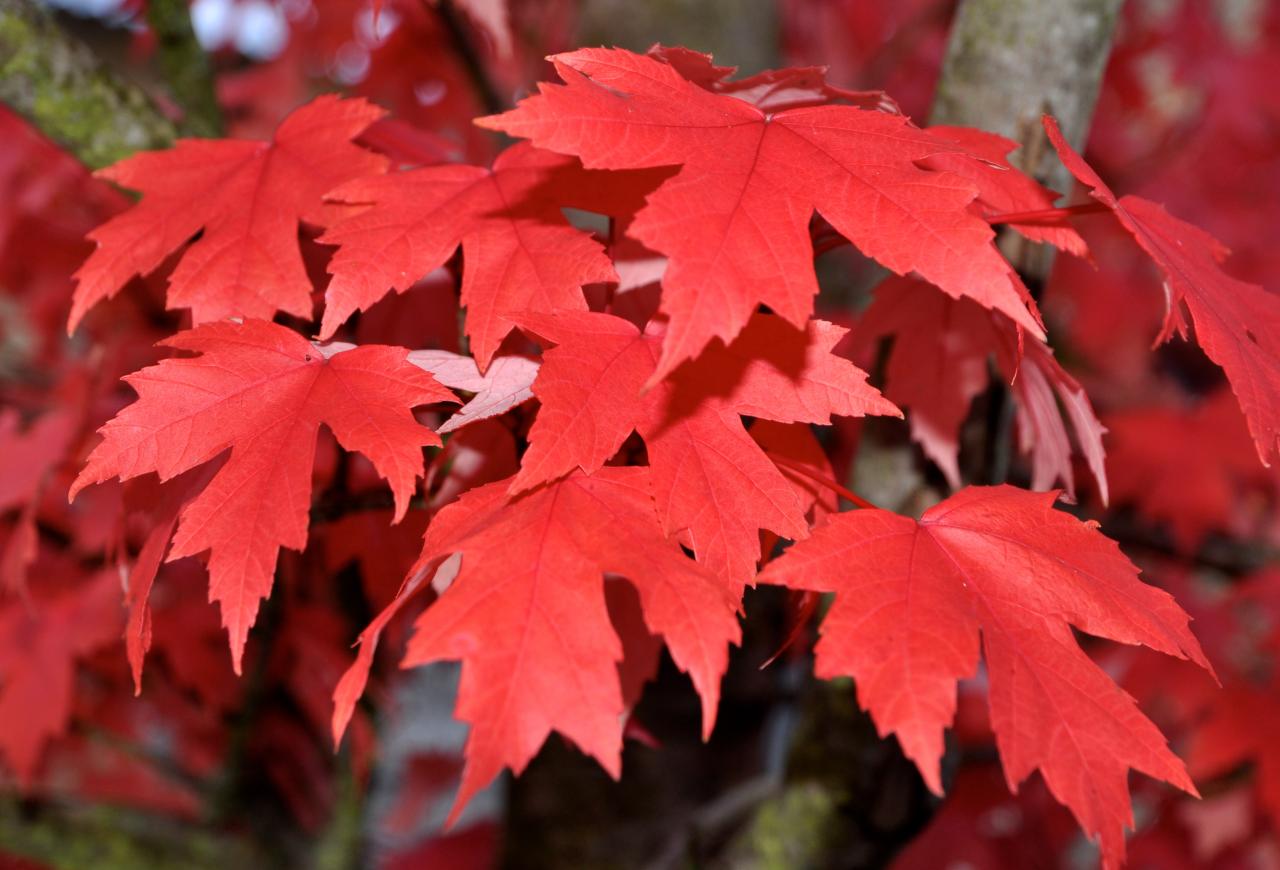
point(59, 86)
point(111, 838)
point(185, 67)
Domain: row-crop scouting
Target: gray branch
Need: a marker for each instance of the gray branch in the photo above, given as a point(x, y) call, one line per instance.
point(1010, 61)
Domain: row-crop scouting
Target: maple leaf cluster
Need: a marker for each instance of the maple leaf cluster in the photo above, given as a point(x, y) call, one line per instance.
point(597, 440)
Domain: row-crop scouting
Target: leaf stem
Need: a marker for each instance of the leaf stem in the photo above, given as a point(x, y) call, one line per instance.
point(1045, 215)
point(805, 471)
point(824, 244)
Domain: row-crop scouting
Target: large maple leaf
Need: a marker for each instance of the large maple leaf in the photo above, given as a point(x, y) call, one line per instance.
point(263, 391)
point(912, 597)
point(1237, 323)
point(520, 252)
point(526, 613)
point(246, 198)
point(710, 479)
point(734, 220)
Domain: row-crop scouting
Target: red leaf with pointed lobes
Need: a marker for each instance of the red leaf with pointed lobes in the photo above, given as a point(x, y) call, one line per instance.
point(912, 597)
point(1237, 324)
point(734, 221)
point(247, 197)
point(1040, 385)
point(710, 478)
point(527, 615)
point(263, 391)
point(938, 364)
point(520, 253)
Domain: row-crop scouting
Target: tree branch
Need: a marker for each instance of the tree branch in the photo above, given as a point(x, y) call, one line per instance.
point(1010, 61)
point(56, 83)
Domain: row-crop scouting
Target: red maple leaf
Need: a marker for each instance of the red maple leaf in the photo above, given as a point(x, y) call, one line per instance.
point(507, 383)
point(1240, 728)
point(247, 197)
point(163, 504)
point(710, 478)
point(734, 220)
point(527, 615)
point(40, 641)
point(939, 364)
point(1218, 486)
point(521, 253)
point(1237, 323)
point(263, 391)
point(912, 597)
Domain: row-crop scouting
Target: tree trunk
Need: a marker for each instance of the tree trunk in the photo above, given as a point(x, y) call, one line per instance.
point(57, 84)
point(1009, 62)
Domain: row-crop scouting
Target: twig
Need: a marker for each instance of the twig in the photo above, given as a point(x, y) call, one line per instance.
point(1046, 216)
point(801, 469)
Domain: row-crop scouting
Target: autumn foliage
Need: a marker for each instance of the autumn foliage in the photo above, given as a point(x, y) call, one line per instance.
point(561, 408)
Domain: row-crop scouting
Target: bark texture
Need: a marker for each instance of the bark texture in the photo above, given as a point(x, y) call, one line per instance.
point(57, 83)
point(1010, 61)
point(185, 67)
point(741, 33)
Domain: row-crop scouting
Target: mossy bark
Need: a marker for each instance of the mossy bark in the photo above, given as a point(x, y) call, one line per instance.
point(185, 67)
point(850, 800)
point(113, 838)
point(58, 84)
